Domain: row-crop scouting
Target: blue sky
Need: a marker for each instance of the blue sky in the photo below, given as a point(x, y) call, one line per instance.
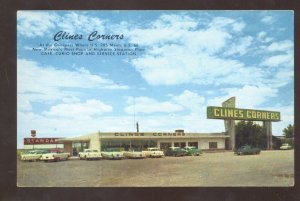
point(192, 59)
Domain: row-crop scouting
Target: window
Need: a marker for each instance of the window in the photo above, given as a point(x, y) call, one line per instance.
point(126, 145)
point(179, 144)
point(213, 145)
point(165, 145)
point(193, 144)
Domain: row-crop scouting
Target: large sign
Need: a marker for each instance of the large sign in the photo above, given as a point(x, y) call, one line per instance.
point(30, 141)
point(241, 114)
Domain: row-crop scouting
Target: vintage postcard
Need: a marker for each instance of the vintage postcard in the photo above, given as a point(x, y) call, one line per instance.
point(155, 98)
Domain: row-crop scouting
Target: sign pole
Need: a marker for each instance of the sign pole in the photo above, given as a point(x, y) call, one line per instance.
point(268, 130)
point(33, 134)
point(229, 123)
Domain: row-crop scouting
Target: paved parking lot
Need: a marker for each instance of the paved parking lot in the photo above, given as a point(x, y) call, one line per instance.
point(270, 168)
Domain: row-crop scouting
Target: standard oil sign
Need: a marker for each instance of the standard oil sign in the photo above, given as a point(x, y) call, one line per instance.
point(241, 114)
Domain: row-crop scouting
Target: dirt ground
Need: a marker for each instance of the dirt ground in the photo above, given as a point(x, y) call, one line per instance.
point(270, 168)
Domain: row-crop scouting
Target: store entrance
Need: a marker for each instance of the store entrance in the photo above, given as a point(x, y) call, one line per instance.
point(79, 147)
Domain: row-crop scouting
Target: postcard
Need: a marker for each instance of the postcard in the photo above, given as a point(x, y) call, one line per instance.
point(158, 98)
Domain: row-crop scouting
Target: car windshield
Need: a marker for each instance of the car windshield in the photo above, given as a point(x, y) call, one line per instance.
point(42, 152)
point(31, 152)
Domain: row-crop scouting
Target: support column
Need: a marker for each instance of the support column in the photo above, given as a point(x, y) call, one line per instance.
point(230, 124)
point(268, 130)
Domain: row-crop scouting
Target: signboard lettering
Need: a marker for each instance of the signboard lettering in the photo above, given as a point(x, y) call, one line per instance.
point(153, 134)
point(241, 114)
point(29, 141)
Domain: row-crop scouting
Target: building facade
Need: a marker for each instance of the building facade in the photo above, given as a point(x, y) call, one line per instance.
point(141, 140)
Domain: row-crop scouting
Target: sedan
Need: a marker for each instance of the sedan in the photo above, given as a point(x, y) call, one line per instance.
point(247, 150)
point(175, 151)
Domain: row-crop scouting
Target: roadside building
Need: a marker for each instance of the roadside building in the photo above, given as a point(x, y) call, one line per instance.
point(141, 140)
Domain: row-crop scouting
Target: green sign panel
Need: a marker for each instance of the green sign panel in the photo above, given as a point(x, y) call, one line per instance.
point(241, 114)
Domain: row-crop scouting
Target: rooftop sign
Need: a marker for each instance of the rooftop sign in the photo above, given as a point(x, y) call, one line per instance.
point(28, 141)
point(241, 114)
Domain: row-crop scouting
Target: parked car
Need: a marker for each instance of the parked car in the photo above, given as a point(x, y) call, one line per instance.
point(32, 155)
point(247, 150)
point(192, 151)
point(55, 155)
point(112, 153)
point(154, 152)
point(132, 153)
point(175, 151)
point(89, 154)
point(285, 146)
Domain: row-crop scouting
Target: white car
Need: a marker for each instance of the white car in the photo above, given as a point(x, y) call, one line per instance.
point(154, 152)
point(55, 155)
point(285, 146)
point(112, 153)
point(134, 154)
point(89, 154)
point(32, 155)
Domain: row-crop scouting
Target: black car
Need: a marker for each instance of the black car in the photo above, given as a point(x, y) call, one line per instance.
point(175, 151)
point(247, 150)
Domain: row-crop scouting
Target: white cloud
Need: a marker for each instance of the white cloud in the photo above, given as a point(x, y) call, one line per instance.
point(39, 23)
point(286, 45)
point(23, 103)
point(168, 28)
point(268, 19)
point(241, 47)
point(262, 37)
point(224, 22)
point(148, 105)
point(247, 97)
point(73, 22)
point(187, 100)
point(45, 83)
point(279, 60)
point(89, 108)
point(178, 55)
point(190, 100)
